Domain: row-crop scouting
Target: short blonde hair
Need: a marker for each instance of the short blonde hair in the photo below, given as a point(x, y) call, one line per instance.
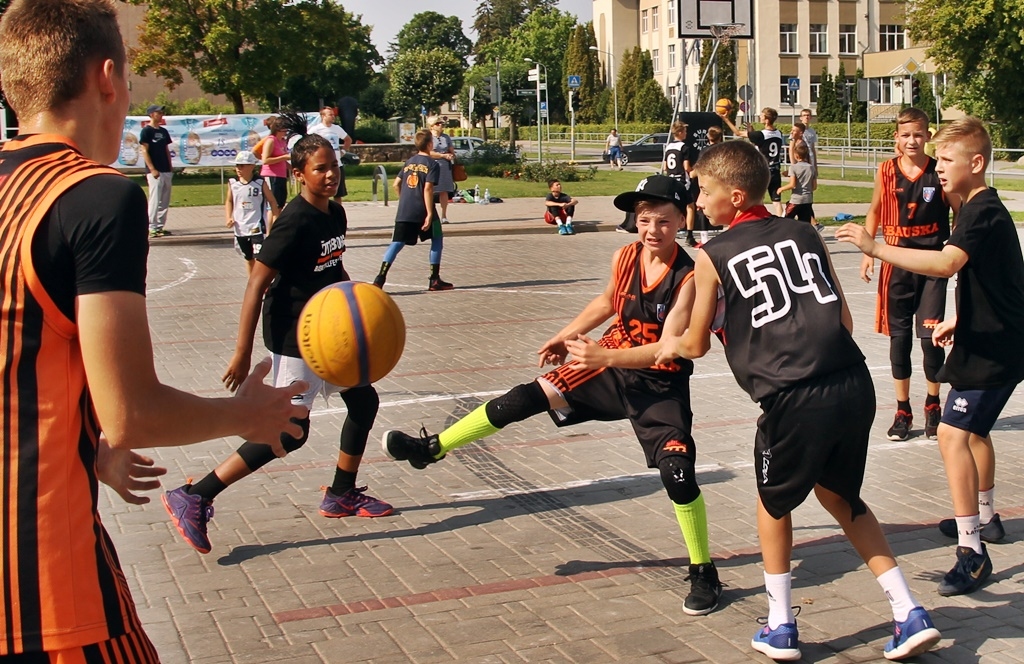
point(423, 140)
point(770, 113)
point(47, 46)
point(737, 165)
point(714, 135)
point(912, 115)
point(969, 134)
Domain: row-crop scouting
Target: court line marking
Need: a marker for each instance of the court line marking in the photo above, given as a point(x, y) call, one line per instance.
point(191, 272)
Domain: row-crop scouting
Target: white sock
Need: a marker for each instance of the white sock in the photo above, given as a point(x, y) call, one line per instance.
point(895, 587)
point(779, 588)
point(969, 532)
point(703, 237)
point(987, 505)
point(568, 220)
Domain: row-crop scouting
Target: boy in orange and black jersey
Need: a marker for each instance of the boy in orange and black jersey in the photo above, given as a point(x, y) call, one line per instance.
point(78, 359)
point(912, 211)
point(616, 377)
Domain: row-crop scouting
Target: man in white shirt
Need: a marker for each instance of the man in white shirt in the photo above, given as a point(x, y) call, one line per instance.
point(339, 140)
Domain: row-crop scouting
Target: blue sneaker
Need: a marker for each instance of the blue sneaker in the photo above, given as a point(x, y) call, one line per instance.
point(913, 636)
point(190, 514)
point(569, 230)
point(561, 229)
point(971, 570)
point(781, 643)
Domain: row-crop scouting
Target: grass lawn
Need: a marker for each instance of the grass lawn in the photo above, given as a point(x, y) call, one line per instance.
point(192, 190)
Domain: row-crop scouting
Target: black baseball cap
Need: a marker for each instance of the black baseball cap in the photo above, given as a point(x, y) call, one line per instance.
point(152, 108)
point(654, 188)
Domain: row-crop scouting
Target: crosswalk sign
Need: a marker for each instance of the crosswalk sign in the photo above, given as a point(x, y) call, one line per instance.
point(574, 81)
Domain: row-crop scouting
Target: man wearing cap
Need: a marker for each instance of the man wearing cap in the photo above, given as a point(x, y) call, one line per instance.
point(156, 150)
point(616, 377)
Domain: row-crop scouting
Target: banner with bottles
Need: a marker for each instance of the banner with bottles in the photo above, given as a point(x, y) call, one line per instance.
point(198, 141)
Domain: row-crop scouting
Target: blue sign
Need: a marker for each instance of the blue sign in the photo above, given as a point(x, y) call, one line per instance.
point(423, 110)
point(543, 106)
point(794, 84)
point(574, 81)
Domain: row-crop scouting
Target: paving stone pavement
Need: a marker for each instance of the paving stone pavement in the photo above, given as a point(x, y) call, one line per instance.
point(537, 544)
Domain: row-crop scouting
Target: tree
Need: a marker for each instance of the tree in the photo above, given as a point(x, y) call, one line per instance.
point(726, 61)
point(628, 81)
point(830, 108)
point(650, 103)
point(429, 30)
point(371, 98)
point(499, 18)
point(482, 106)
point(544, 36)
point(583, 62)
point(229, 50)
point(423, 78)
point(337, 74)
point(978, 43)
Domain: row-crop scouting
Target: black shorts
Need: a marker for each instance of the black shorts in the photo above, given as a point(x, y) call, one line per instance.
point(249, 246)
point(774, 182)
point(279, 188)
point(656, 403)
point(976, 411)
point(694, 190)
point(800, 211)
point(410, 233)
point(901, 295)
point(815, 432)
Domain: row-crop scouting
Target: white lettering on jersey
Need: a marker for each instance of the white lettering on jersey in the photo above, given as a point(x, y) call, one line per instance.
point(773, 273)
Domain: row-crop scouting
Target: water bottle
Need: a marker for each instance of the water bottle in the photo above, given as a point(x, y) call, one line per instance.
point(476, 193)
point(487, 196)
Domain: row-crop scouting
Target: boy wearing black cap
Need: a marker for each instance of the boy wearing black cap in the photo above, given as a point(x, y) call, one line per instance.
point(615, 377)
point(767, 287)
point(156, 150)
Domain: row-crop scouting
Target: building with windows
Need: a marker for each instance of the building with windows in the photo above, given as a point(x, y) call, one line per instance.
point(793, 39)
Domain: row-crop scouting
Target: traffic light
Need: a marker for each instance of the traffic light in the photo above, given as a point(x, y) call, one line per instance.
point(915, 91)
point(573, 100)
point(492, 88)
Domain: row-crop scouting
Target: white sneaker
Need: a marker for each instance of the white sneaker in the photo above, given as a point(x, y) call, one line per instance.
point(444, 220)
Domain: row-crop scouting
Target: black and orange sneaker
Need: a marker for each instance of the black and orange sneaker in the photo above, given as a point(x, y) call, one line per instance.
point(439, 284)
point(900, 429)
point(932, 417)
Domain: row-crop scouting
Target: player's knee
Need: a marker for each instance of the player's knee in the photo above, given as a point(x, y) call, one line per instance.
point(516, 405)
point(934, 357)
point(899, 356)
point(291, 444)
point(679, 478)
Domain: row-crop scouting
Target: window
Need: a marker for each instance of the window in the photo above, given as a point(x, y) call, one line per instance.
point(847, 39)
point(654, 18)
point(643, 22)
point(891, 38)
point(815, 88)
point(656, 60)
point(784, 93)
point(671, 56)
point(819, 38)
point(787, 38)
point(890, 91)
point(671, 13)
point(673, 95)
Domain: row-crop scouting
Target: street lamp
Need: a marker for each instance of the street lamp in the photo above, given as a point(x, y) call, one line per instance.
point(540, 140)
point(611, 77)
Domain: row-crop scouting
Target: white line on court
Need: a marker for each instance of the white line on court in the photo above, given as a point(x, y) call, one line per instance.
point(190, 271)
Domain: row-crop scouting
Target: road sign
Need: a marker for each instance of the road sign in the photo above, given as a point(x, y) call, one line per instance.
point(574, 81)
point(533, 75)
point(746, 93)
point(794, 84)
point(543, 106)
point(543, 86)
point(544, 113)
point(526, 93)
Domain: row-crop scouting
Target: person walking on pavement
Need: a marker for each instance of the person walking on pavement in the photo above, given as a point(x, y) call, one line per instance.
point(613, 147)
point(443, 150)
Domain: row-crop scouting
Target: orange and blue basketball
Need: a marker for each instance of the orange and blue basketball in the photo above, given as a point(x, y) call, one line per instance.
point(351, 334)
point(723, 106)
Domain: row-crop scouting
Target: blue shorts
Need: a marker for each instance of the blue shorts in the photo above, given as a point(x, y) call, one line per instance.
point(614, 152)
point(975, 410)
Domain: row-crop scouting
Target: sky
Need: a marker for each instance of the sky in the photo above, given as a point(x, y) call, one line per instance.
point(388, 16)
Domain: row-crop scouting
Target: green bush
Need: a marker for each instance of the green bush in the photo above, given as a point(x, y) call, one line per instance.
point(556, 170)
point(199, 106)
point(374, 130)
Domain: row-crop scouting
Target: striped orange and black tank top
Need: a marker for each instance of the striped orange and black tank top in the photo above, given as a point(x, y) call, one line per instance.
point(62, 583)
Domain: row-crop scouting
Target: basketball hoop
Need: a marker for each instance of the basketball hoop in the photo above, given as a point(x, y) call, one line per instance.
point(723, 32)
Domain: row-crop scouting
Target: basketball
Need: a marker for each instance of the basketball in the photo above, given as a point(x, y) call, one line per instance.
point(723, 106)
point(351, 334)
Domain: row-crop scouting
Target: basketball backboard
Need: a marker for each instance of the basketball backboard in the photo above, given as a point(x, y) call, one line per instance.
point(697, 16)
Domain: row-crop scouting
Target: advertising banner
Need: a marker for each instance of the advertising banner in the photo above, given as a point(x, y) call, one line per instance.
point(198, 141)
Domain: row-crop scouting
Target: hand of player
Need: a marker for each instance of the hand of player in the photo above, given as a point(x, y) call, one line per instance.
point(552, 352)
point(856, 235)
point(426, 224)
point(271, 408)
point(587, 352)
point(867, 268)
point(942, 335)
point(667, 349)
point(229, 223)
point(237, 371)
point(124, 470)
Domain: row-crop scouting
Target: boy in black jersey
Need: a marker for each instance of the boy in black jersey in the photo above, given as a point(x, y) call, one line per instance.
point(676, 165)
point(986, 335)
point(787, 335)
point(769, 142)
point(615, 377)
point(910, 208)
point(416, 219)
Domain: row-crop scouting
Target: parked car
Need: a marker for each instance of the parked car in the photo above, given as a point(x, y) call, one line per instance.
point(649, 148)
point(465, 146)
